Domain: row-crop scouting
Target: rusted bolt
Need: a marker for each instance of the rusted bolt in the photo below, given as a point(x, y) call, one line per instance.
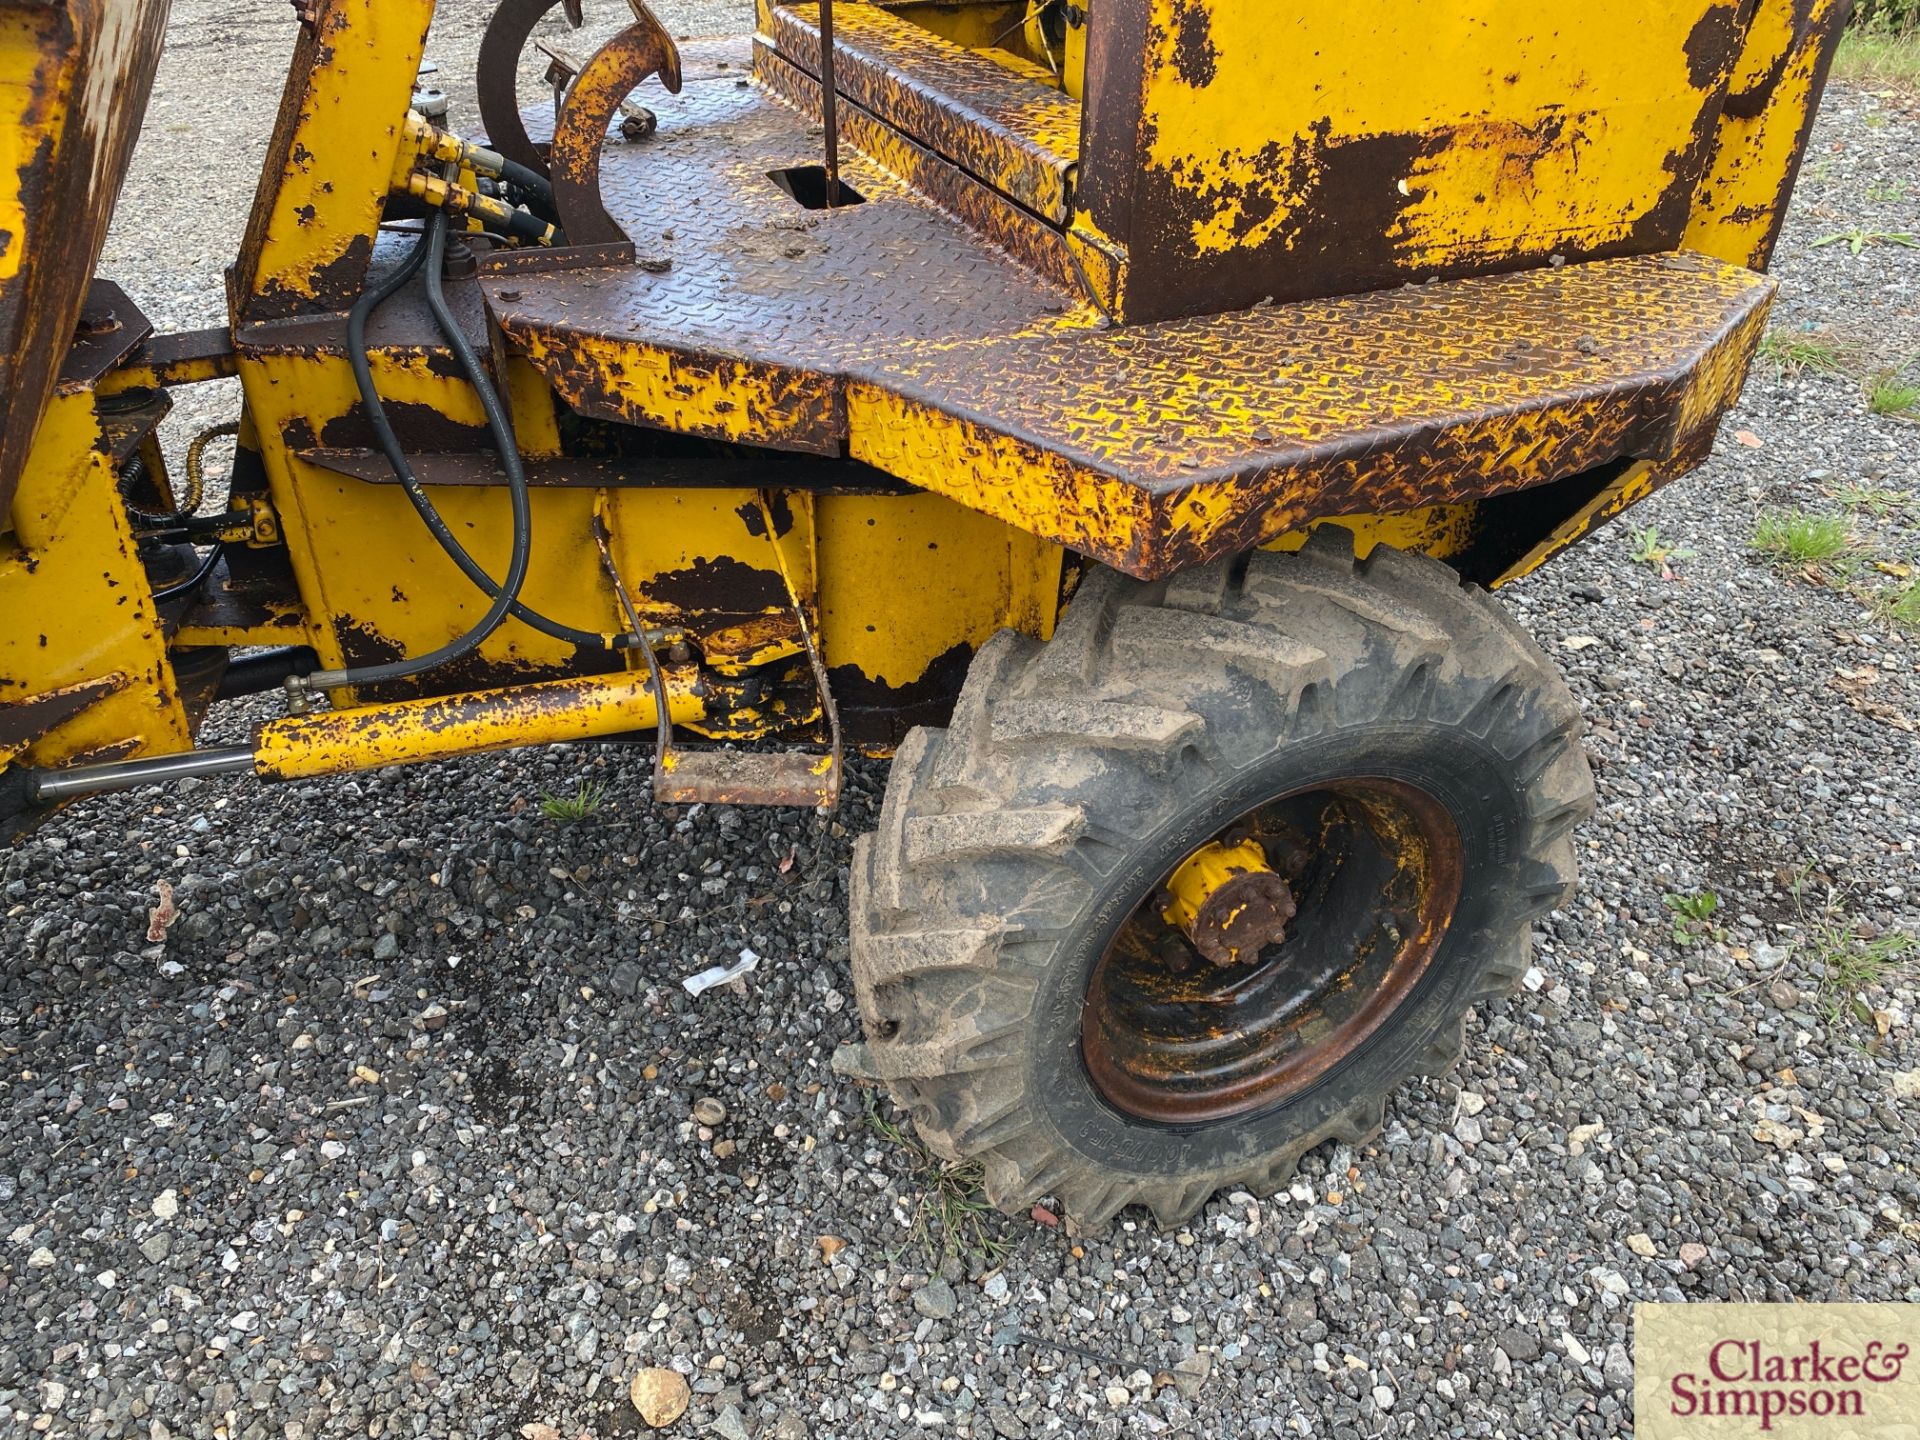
point(509, 295)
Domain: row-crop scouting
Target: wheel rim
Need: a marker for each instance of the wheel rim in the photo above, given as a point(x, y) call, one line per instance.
point(1374, 866)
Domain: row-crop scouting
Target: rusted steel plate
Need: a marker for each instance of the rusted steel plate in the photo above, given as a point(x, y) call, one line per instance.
point(24, 721)
point(1156, 447)
point(86, 67)
point(891, 329)
point(110, 328)
point(985, 211)
point(745, 307)
point(179, 359)
point(1016, 134)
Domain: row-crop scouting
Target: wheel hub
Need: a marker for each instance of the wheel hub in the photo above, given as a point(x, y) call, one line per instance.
point(1229, 902)
point(1272, 953)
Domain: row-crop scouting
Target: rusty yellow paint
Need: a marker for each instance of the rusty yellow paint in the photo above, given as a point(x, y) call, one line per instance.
point(1505, 127)
point(1200, 876)
point(414, 731)
point(77, 608)
point(1633, 485)
point(1762, 136)
point(906, 580)
point(647, 384)
point(194, 370)
point(1442, 531)
point(348, 94)
point(35, 78)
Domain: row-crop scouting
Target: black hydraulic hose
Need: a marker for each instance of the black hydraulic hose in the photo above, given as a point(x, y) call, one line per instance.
point(530, 182)
point(194, 581)
point(403, 471)
point(432, 253)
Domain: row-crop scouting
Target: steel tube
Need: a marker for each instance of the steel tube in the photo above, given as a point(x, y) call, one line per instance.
point(130, 774)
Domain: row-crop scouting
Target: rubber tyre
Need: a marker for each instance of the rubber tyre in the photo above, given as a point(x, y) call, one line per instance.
point(1076, 773)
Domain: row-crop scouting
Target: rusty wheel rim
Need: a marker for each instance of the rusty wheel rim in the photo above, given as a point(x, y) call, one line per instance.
point(1375, 866)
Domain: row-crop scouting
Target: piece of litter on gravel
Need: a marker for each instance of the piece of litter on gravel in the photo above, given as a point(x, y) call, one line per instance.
point(1580, 642)
point(721, 974)
point(162, 914)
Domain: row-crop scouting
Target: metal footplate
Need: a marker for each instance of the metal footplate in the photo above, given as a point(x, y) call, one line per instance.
point(735, 777)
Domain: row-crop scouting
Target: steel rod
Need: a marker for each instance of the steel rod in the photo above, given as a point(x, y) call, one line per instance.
point(829, 104)
point(130, 774)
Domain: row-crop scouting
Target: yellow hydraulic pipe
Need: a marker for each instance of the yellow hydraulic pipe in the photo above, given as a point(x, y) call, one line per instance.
point(411, 731)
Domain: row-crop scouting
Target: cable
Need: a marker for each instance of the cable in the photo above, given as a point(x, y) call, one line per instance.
point(432, 252)
point(194, 581)
point(403, 471)
point(196, 486)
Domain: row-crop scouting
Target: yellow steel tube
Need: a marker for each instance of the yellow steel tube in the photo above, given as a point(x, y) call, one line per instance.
point(411, 731)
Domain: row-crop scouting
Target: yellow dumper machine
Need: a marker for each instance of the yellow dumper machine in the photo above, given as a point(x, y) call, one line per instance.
point(1145, 391)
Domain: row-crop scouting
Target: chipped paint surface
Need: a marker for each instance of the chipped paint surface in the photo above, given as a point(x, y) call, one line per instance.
point(410, 732)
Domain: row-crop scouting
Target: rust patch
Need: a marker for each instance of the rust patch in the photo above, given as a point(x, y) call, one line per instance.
point(878, 715)
point(720, 586)
point(642, 49)
point(1194, 57)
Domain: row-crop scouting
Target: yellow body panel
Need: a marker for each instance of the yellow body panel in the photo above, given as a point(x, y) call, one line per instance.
point(77, 609)
point(1216, 155)
point(342, 124)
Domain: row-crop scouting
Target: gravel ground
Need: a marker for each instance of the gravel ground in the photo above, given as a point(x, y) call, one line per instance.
point(395, 1133)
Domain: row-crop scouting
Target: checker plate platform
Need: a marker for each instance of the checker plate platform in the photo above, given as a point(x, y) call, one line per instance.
point(894, 332)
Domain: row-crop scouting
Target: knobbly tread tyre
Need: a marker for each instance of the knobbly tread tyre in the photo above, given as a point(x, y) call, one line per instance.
point(1001, 837)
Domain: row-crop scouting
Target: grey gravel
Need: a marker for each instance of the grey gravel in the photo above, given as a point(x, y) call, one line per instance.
point(394, 1133)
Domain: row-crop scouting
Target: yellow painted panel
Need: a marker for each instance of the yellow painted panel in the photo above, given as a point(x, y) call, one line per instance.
point(906, 579)
point(76, 602)
point(1485, 126)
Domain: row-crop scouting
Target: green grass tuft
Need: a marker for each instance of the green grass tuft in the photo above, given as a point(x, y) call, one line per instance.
point(1901, 606)
point(951, 1215)
point(1795, 354)
point(1800, 538)
point(1890, 393)
point(1879, 60)
point(581, 805)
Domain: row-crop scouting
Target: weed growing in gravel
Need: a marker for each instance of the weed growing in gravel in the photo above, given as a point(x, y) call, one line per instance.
point(1693, 918)
point(581, 805)
point(1876, 59)
point(1877, 501)
point(1796, 537)
point(1648, 550)
point(1791, 354)
point(1858, 240)
point(951, 1214)
point(1887, 192)
point(1901, 606)
point(1849, 964)
point(1889, 393)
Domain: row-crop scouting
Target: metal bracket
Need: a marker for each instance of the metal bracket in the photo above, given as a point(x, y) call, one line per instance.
point(683, 776)
point(642, 49)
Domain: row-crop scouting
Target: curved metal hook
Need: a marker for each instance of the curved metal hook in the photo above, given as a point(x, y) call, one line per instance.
point(498, 76)
point(642, 49)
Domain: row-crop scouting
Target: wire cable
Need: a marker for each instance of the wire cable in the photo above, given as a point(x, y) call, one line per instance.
point(432, 253)
point(403, 471)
